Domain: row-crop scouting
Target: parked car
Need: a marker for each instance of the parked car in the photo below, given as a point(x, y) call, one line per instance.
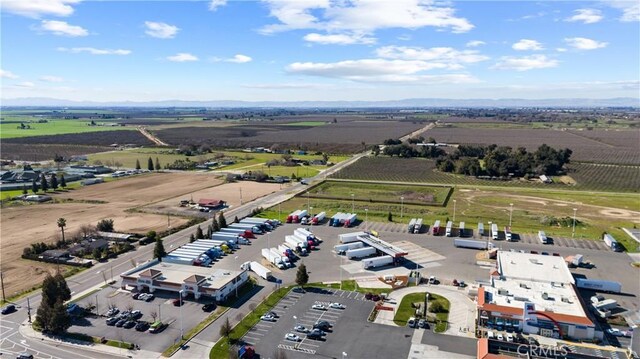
point(433, 280)
point(112, 321)
point(615, 332)
point(499, 336)
point(314, 336)
point(25, 355)
point(411, 323)
point(135, 295)
point(113, 311)
point(318, 331)
point(322, 325)
point(368, 296)
point(273, 314)
point(337, 306)
point(422, 323)
point(319, 307)
point(129, 324)
point(298, 290)
point(135, 314)
point(9, 309)
point(120, 323)
point(509, 337)
point(292, 337)
point(301, 329)
point(209, 307)
point(142, 326)
point(268, 318)
point(156, 327)
point(375, 297)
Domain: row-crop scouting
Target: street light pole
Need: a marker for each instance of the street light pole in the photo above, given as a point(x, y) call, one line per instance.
point(573, 231)
point(340, 272)
point(454, 210)
point(352, 203)
point(181, 327)
point(401, 207)
point(235, 262)
point(510, 213)
point(366, 219)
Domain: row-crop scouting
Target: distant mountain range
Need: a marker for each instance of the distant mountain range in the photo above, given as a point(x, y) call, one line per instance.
point(405, 103)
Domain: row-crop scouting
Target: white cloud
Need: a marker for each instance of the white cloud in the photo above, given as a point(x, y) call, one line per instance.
point(582, 43)
point(448, 56)
point(475, 43)
point(62, 28)
point(215, 4)
point(285, 86)
point(8, 74)
point(237, 59)
point(160, 30)
point(38, 8)
point(94, 51)
point(49, 78)
point(630, 9)
point(339, 39)
point(561, 49)
point(182, 57)
point(25, 84)
point(527, 45)
point(364, 16)
point(404, 37)
point(525, 63)
point(586, 16)
point(378, 70)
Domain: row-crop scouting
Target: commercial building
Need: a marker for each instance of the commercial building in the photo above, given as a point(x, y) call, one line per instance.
point(196, 281)
point(535, 294)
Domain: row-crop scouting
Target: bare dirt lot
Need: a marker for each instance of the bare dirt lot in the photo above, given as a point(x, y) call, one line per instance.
point(22, 225)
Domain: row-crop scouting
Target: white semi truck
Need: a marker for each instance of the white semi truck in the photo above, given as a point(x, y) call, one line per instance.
point(273, 259)
point(470, 243)
point(375, 262)
point(361, 252)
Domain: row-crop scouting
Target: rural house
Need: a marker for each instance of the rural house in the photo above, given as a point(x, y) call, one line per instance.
point(87, 246)
point(211, 203)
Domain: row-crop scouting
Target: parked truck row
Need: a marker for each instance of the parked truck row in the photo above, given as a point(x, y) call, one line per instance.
point(300, 243)
point(415, 225)
point(343, 219)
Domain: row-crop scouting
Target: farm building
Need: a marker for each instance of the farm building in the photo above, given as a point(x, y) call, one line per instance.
point(113, 236)
point(87, 246)
point(534, 294)
point(199, 281)
point(211, 203)
point(56, 254)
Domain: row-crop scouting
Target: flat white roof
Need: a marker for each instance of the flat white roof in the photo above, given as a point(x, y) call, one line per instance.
point(533, 267)
point(561, 298)
point(177, 273)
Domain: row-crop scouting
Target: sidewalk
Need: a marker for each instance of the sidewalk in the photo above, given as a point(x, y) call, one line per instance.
point(27, 331)
point(461, 313)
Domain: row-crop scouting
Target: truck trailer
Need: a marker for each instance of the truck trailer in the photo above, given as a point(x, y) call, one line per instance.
point(350, 219)
point(599, 285)
point(295, 247)
point(376, 262)
point(257, 268)
point(283, 257)
point(241, 232)
point(318, 218)
point(178, 260)
point(272, 258)
point(470, 243)
point(507, 234)
point(436, 228)
point(343, 248)
point(612, 243)
point(412, 225)
point(246, 226)
point(350, 237)
point(449, 229)
point(291, 215)
point(461, 230)
point(361, 252)
point(543, 237)
point(494, 231)
point(418, 226)
point(480, 229)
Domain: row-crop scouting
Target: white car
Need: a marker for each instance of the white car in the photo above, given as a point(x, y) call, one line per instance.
point(319, 307)
point(509, 338)
point(292, 337)
point(499, 336)
point(615, 332)
point(268, 318)
point(301, 329)
point(337, 306)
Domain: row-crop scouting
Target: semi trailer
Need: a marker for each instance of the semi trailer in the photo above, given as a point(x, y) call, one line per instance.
point(361, 252)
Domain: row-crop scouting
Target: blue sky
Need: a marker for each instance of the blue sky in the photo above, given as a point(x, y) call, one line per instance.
point(319, 49)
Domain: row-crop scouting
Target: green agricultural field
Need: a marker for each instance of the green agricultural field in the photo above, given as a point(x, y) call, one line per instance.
point(369, 192)
point(53, 127)
point(127, 158)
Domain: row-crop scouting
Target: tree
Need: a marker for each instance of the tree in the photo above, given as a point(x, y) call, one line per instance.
point(158, 164)
point(138, 164)
point(215, 225)
point(54, 181)
point(192, 238)
point(63, 182)
point(60, 320)
point(61, 224)
point(43, 183)
point(390, 217)
point(222, 221)
point(150, 164)
point(151, 236)
point(225, 328)
point(236, 219)
point(209, 231)
point(52, 313)
point(63, 290)
point(97, 254)
point(105, 225)
point(199, 234)
point(34, 186)
point(302, 277)
point(24, 190)
point(158, 250)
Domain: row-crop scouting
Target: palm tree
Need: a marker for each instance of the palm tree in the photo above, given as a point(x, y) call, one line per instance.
point(61, 224)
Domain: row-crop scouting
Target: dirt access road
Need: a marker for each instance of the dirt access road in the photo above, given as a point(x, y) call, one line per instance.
point(23, 225)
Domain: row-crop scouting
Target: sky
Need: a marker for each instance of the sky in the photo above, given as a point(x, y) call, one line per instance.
point(302, 50)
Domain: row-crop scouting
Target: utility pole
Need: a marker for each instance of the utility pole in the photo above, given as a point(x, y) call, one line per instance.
point(2, 285)
point(29, 310)
point(454, 210)
point(240, 196)
point(401, 207)
point(573, 231)
point(510, 213)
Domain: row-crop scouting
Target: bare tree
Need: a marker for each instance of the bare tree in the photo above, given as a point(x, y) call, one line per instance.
point(225, 328)
point(153, 314)
point(129, 306)
point(239, 317)
point(252, 306)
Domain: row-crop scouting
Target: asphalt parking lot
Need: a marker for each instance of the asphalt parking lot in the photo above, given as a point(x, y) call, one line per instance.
point(191, 314)
point(351, 333)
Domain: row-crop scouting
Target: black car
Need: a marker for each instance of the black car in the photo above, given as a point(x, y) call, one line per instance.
point(273, 314)
point(142, 326)
point(209, 307)
point(298, 290)
point(322, 326)
point(129, 324)
point(136, 295)
point(9, 309)
point(112, 321)
point(120, 323)
point(324, 322)
point(314, 336)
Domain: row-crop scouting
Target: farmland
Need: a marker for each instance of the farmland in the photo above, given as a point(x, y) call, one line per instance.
point(368, 192)
point(588, 177)
point(10, 127)
point(597, 146)
point(338, 137)
point(39, 152)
